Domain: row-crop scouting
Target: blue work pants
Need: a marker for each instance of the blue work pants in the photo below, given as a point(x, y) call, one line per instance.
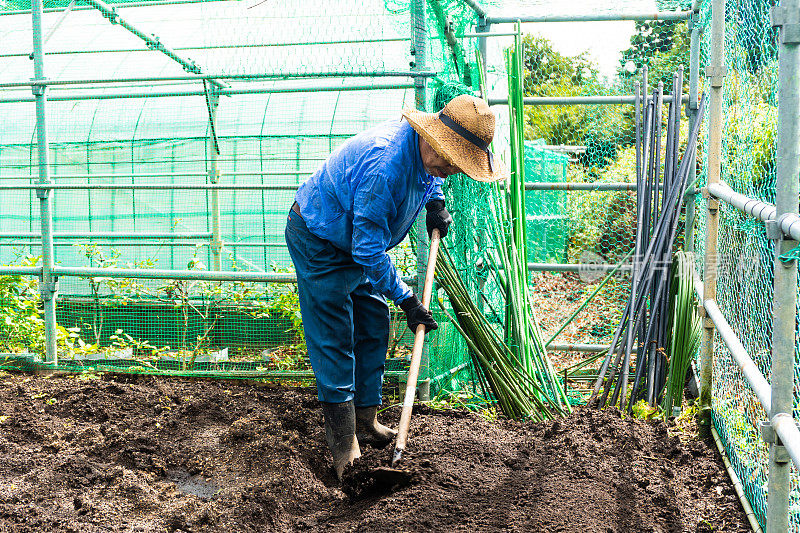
point(346, 322)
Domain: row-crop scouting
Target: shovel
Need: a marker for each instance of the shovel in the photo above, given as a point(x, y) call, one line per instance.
point(416, 355)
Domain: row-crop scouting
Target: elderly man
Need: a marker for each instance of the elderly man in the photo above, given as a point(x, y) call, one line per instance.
point(360, 203)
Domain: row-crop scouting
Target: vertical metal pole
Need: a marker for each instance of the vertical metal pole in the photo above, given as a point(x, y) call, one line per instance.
point(715, 71)
point(691, 112)
point(784, 308)
point(48, 282)
point(213, 176)
point(484, 27)
point(419, 52)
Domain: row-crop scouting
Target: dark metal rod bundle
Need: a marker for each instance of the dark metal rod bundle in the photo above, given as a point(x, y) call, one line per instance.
point(644, 322)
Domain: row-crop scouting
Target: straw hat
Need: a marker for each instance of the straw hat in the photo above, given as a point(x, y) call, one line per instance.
point(461, 132)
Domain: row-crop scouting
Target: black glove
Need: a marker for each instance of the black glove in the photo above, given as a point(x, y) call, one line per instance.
point(438, 217)
point(416, 314)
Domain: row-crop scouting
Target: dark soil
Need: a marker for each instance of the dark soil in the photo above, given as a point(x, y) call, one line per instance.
point(140, 454)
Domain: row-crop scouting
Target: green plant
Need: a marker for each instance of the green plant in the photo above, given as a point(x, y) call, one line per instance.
point(121, 340)
point(405, 261)
point(643, 411)
point(108, 288)
point(204, 299)
point(21, 322)
point(686, 327)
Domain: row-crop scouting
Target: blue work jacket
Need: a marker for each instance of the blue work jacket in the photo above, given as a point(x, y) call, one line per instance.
point(366, 196)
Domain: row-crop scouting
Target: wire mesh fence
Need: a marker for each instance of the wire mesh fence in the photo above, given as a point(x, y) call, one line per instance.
point(745, 254)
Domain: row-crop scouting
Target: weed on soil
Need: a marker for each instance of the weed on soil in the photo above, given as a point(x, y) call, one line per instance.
point(138, 454)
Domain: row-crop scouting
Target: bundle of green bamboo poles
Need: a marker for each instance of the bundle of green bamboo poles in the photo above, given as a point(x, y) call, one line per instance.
point(518, 395)
point(508, 224)
point(509, 355)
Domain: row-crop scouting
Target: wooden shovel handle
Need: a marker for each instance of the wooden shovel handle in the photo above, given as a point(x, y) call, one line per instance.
point(416, 353)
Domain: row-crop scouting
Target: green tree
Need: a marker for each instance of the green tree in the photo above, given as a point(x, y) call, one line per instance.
point(602, 129)
point(662, 46)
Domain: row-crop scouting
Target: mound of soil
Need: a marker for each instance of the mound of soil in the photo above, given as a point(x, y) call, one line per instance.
point(142, 454)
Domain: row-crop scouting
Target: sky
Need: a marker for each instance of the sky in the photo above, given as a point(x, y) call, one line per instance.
point(603, 40)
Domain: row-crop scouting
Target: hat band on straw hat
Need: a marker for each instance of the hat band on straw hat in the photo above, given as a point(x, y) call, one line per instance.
point(468, 135)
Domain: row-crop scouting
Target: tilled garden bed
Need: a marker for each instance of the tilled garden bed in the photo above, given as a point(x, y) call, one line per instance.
point(144, 454)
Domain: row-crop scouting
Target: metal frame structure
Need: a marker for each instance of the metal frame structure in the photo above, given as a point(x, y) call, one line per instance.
point(782, 221)
point(783, 226)
point(46, 183)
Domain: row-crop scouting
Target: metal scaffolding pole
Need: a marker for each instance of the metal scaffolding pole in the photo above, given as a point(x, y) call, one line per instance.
point(125, 5)
point(715, 71)
point(223, 92)
point(597, 17)
point(419, 53)
point(691, 112)
point(212, 101)
point(152, 41)
point(48, 282)
point(572, 186)
point(252, 77)
point(784, 307)
point(484, 27)
point(624, 99)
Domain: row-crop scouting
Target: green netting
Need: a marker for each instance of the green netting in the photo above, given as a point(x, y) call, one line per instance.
point(745, 255)
point(309, 87)
point(546, 210)
point(313, 85)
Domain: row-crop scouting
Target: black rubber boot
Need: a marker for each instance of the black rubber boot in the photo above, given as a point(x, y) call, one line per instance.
point(340, 434)
point(369, 430)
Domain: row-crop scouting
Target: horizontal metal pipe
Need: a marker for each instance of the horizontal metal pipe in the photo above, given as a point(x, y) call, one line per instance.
point(241, 77)
point(576, 267)
point(173, 243)
point(224, 92)
point(756, 208)
point(168, 175)
point(148, 186)
point(146, 273)
point(198, 275)
point(788, 223)
point(579, 100)
point(125, 5)
point(789, 435)
point(554, 347)
point(488, 34)
point(110, 235)
point(255, 186)
point(750, 370)
point(596, 17)
point(254, 245)
point(20, 271)
point(212, 47)
point(562, 186)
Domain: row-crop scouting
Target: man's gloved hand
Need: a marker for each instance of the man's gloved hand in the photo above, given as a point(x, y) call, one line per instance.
point(416, 314)
point(437, 217)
